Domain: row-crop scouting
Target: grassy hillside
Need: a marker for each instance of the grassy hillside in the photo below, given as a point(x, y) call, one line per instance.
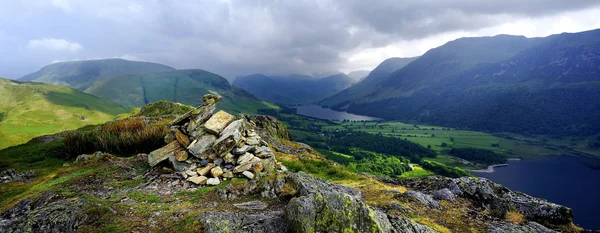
point(83, 74)
point(30, 109)
point(183, 86)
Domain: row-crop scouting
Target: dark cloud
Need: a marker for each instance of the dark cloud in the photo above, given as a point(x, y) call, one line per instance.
point(241, 36)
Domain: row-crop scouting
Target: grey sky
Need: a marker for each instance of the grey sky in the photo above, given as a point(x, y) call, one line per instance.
point(236, 37)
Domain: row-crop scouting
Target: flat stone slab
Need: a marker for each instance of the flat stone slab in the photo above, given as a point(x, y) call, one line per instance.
point(218, 122)
point(252, 205)
point(163, 153)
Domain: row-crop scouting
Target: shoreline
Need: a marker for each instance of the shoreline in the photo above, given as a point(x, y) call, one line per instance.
point(490, 168)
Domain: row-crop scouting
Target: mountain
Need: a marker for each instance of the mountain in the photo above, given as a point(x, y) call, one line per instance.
point(375, 77)
point(184, 86)
point(83, 74)
point(293, 89)
point(29, 109)
point(505, 83)
point(358, 75)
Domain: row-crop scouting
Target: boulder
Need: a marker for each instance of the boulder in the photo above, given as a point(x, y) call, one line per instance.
point(405, 225)
point(424, 199)
point(162, 154)
point(202, 145)
point(265, 222)
point(444, 194)
point(86, 158)
point(327, 207)
point(45, 215)
point(229, 138)
point(218, 122)
point(179, 166)
point(229, 158)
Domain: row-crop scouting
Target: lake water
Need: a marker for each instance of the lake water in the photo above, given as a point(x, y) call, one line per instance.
point(563, 180)
point(329, 114)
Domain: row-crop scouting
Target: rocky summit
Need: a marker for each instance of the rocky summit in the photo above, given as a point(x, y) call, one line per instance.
point(225, 173)
point(221, 146)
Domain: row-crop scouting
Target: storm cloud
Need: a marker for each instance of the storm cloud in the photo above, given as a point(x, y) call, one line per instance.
point(238, 37)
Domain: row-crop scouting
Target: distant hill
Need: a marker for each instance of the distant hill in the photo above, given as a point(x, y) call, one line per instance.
point(293, 89)
point(373, 80)
point(83, 74)
point(183, 86)
point(28, 110)
point(545, 85)
point(358, 75)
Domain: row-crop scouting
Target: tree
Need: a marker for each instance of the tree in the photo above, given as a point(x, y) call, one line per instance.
point(452, 139)
point(428, 146)
point(433, 135)
point(444, 144)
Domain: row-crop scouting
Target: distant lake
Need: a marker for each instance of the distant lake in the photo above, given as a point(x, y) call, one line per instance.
point(564, 180)
point(329, 114)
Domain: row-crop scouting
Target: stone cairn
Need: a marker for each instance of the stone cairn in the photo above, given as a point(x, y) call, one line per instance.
point(206, 148)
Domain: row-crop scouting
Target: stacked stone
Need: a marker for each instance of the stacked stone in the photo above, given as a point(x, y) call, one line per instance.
point(206, 148)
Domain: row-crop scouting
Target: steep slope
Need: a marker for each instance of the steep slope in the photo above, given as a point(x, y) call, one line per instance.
point(184, 86)
point(83, 74)
point(293, 89)
point(358, 75)
point(375, 77)
point(30, 109)
point(549, 88)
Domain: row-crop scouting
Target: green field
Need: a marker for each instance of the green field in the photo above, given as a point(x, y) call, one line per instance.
point(29, 110)
point(511, 145)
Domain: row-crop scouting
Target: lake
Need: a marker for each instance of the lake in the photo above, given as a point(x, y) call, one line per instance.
point(563, 180)
point(330, 114)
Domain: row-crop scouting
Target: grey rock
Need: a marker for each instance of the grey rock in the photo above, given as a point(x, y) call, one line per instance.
point(11, 175)
point(327, 207)
point(229, 158)
point(245, 158)
point(242, 167)
point(44, 215)
point(528, 227)
point(265, 222)
point(241, 150)
point(213, 181)
point(424, 199)
point(264, 152)
point(404, 225)
point(253, 141)
point(218, 161)
point(252, 205)
point(444, 194)
point(86, 158)
point(198, 179)
point(157, 156)
point(177, 165)
point(248, 174)
point(229, 138)
point(202, 145)
point(218, 122)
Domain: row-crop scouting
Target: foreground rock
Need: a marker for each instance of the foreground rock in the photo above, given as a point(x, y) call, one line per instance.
point(267, 222)
point(493, 197)
point(44, 215)
point(11, 175)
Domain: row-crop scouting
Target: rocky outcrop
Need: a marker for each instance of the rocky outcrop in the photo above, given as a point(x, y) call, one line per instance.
point(491, 196)
point(326, 207)
point(44, 215)
point(529, 227)
point(424, 199)
point(206, 148)
point(404, 225)
point(11, 175)
point(226, 222)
